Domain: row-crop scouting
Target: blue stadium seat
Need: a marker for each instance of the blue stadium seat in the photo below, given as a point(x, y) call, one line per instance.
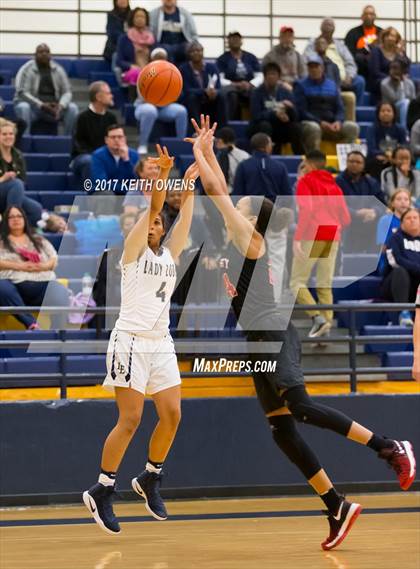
point(176, 146)
point(387, 331)
point(66, 243)
point(368, 99)
point(107, 76)
point(415, 70)
point(359, 264)
point(12, 63)
point(83, 334)
point(398, 359)
point(240, 128)
point(46, 181)
point(67, 63)
point(18, 335)
point(82, 67)
point(183, 162)
point(128, 114)
point(362, 318)
point(7, 92)
point(75, 266)
point(59, 162)
point(6, 75)
point(2, 370)
point(291, 162)
point(9, 110)
point(364, 128)
point(365, 114)
point(51, 144)
point(50, 199)
point(85, 364)
point(37, 162)
point(39, 364)
point(26, 144)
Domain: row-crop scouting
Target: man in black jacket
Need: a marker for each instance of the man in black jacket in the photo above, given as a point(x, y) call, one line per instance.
point(91, 128)
point(360, 38)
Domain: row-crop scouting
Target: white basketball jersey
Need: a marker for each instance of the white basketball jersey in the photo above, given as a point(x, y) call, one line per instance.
point(146, 289)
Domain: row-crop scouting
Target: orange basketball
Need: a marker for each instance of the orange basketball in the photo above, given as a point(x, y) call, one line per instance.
point(160, 83)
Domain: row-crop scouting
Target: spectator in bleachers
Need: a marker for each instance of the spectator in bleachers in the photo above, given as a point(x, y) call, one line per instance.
point(13, 175)
point(413, 113)
point(116, 21)
point(382, 137)
point(133, 48)
point(398, 89)
point(238, 68)
point(135, 201)
point(228, 155)
point(416, 340)
point(174, 29)
point(260, 174)
point(202, 92)
point(390, 47)
point(91, 128)
point(147, 114)
point(323, 214)
point(114, 161)
point(403, 270)
point(286, 56)
point(401, 174)
point(341, 56)
point(332, 72)
point(321, 108)
point(355, 183)
point(43, 92)
point(274, 112)
point(415, 141)
point(389, 223)
point(27, 263)
point(360, 39)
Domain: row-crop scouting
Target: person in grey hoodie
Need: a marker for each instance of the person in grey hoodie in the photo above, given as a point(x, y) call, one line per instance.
point(174, 28)
point(43, 92)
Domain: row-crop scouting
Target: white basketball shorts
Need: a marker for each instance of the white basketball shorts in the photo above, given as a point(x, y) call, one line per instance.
point(146, 364)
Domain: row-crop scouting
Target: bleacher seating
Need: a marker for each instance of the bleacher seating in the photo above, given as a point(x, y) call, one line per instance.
point(50, 183)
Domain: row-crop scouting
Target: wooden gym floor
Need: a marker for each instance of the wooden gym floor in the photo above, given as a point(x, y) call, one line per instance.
point(215, 534)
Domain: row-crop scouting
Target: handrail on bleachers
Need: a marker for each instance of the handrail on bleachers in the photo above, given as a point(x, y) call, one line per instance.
point(353, 339)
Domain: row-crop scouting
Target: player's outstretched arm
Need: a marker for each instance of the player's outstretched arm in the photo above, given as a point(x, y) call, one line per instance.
point(208, 150)
point(178, 235)
point(136, 241)
point(249, 242)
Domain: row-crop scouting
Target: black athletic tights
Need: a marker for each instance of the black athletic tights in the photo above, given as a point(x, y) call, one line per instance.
point(305, 409)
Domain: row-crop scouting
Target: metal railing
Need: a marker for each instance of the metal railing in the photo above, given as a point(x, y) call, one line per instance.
point(63, 379)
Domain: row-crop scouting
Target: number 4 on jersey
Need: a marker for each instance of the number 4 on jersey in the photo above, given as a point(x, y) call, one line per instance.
point(161, 292)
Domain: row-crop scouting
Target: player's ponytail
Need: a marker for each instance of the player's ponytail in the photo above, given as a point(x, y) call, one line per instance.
point(277, 218)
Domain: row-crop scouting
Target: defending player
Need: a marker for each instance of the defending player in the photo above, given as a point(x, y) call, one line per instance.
point(141, 355)
point(282, 394)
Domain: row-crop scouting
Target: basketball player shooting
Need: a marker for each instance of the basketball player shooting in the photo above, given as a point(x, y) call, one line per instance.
point(282, 394)
point(141, 355)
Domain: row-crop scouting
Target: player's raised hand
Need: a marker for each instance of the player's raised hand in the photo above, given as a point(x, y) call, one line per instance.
point(163, 160)
point(192, 172)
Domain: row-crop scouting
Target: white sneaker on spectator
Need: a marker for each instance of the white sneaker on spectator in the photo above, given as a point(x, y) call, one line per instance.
point(320, 327)
point(142, 149)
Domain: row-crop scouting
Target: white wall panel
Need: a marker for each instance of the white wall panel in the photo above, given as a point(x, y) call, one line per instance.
point(59, 44)
point(33, 21)
point(93, 22)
